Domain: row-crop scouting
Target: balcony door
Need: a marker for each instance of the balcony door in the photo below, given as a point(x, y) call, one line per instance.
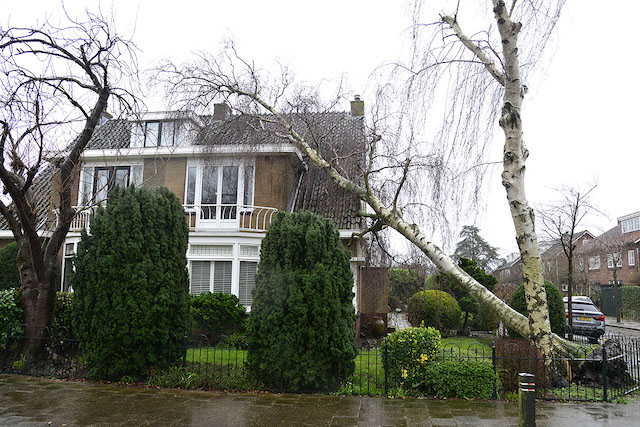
point(215, 194)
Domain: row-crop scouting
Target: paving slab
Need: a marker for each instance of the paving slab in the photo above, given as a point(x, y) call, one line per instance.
point(36, 402)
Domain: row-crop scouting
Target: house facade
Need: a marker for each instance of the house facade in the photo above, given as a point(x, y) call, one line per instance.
point(232, 173)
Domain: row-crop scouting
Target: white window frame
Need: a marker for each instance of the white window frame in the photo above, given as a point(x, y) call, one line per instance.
point(594, 262)
point(240, 195)
point(65, 259)
point(136, 171)
point(617, 256)
point(631, 257)
point(581, 263)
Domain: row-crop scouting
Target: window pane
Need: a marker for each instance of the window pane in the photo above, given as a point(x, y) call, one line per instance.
point(120, 177)
point(222, 276)
point(200, 277)
point(136, 175)
point(68, 270)
point(85, 187)
point(180, 137)
point(209, 194)
point(191, 185)
point(166, 134)
point(137, 135)
point(100, 185)
point(248, 185)
point(153, 129)
point(229, 191)
point(247, 281)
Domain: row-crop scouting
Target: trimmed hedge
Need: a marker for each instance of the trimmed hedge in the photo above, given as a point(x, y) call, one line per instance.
point(460, 378)
point(435, 308)
point(409, 351)
point(217, 314)
point(631, 302)
point(554, 302)
point(301, 329)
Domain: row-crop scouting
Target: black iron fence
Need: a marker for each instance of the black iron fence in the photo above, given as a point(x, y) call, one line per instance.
point(603, 371)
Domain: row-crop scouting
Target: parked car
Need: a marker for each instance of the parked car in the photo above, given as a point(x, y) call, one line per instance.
point(588, 320)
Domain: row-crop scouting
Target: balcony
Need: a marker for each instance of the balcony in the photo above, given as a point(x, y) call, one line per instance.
point(204, 217)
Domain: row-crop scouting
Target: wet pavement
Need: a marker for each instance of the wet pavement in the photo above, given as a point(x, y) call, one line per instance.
point(30, 401)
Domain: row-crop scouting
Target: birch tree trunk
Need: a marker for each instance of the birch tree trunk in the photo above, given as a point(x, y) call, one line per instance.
point(515, 155)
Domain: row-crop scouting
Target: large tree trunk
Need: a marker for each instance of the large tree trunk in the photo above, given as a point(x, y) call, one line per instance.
point(515, 155)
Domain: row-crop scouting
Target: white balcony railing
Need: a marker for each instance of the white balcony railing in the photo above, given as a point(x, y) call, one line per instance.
point(203, 217)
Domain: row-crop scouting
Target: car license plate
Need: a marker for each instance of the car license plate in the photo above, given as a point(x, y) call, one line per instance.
point(586, 319)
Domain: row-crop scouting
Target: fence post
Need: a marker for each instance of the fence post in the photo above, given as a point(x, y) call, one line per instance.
point(527, 399)
point(5, 353)
point(604, 372)
point(184, 352)
point(385, 360)
point(493, 362)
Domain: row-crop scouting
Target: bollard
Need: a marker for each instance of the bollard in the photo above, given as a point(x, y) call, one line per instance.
point(527, 399)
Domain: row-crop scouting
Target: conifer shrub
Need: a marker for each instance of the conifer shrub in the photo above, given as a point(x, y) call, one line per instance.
point(435, 308)
point(301, 330)
point(408, 351)
point(131, 284)
point(554, 302)
point(9, 274)
point(217, 314)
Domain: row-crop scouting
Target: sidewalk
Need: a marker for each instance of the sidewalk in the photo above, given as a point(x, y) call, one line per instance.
point(624, 323)
point(29, 401)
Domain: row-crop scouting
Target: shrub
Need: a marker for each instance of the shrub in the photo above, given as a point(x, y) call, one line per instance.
point(9, 274)
point(408, 351)
point(63, 315)
point(554, 302)
point(435, 308)
point(217, 314)
point(631, 302)
point(403, 283)
point(10, 313)
point(131, 284)
point(460, 378)
point(302, 324)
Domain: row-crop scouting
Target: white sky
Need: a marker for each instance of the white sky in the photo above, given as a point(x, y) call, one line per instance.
point(579, 122)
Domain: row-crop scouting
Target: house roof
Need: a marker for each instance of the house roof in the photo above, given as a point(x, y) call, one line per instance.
point(41, 191)
point(337, 135)
point(611, 240)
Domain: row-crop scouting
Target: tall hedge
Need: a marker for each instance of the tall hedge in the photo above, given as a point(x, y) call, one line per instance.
point(301, 326)
point(554, 302)
point(131, 284)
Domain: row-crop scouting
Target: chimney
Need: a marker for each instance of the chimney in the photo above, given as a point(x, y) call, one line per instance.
point(221, 111)
point(357, 107)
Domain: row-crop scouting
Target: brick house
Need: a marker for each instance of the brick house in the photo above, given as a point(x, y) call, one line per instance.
point(613, 253)
point(555, 263)
point(232, 173)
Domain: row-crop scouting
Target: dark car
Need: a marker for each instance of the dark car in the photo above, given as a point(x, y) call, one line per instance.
point(588, 320)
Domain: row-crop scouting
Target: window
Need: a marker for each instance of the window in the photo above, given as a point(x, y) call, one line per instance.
point(217, 190)
point(159, 133)
point(631, 257)
point(247, 282)
point(67, 268)
point(631, 224)
point(615, 258)
point(96, 183)
point(581, 263)
point(594, 262)
point(203, 271)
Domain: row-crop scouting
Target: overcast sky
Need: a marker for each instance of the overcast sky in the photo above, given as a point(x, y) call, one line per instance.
point(579, 121)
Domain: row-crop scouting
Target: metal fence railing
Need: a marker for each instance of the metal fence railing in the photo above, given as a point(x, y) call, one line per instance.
point(592, 372)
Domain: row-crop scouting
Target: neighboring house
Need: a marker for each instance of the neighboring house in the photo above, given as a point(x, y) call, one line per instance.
point(232, 174)
point(613, 256)
point(555, 264)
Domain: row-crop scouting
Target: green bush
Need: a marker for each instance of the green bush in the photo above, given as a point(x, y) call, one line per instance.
point(460, 378)
point(9, 274)
point(302, 324)
point(403, 283)
point(554, 302)
point(435, 308)
point(63, 315)
point(131, 283)
point(10, 313)
point(408, 351)
point(631, 302)
point(217, 314)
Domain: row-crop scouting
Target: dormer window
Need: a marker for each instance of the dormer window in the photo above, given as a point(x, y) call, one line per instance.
point(166, 133)
point(630, 224)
